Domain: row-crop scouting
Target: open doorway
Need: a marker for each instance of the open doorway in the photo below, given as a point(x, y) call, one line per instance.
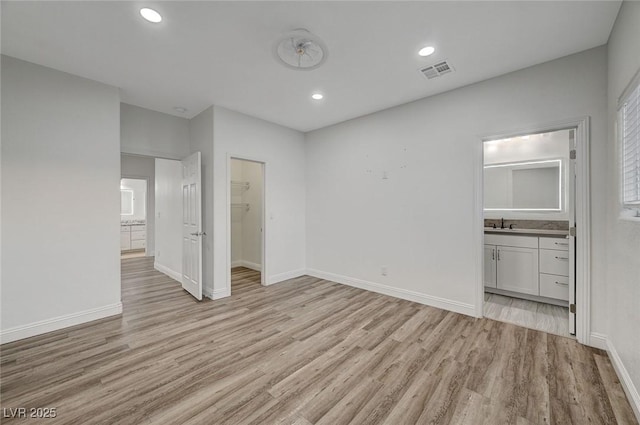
point(535, 221)
point(133, 217)
point(246, 206)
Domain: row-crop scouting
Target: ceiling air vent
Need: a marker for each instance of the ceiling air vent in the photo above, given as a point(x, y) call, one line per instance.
point(437, 70)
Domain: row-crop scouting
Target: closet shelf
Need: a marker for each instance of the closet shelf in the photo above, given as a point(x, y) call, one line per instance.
point(240, 185)
point(244, 206)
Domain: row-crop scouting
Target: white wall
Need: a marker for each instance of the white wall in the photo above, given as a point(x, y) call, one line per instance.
point(237, 215)
point(283, 150)
point(143, 167)
point(139, 189)
point(60, 153)
point(252, 219)
point(154, 134)
point(246, 234)
point(551, 145)
point(201, 140)
point(168, 207)
point(420, 221)
point(623, 255)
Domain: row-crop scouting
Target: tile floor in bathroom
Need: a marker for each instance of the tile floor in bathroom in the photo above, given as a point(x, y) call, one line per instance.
point(529, 314)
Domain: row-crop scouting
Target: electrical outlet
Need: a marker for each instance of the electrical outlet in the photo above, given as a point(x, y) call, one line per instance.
point(383, 270)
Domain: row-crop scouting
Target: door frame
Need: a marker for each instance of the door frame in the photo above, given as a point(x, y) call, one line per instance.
point(264, 266)
point(146, 211)
point(583, 217)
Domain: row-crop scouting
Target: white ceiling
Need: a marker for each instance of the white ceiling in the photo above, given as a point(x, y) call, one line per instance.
point(221, 53)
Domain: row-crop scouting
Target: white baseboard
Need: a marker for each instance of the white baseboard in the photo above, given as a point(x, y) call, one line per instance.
point(207, 292)
point(276, 278)
point(253, 266)
point(598, 340)
point(169, 272)
point(60, 322)
point(220, 293)
point(248, 264)
point(443, 303)
point(625, 379)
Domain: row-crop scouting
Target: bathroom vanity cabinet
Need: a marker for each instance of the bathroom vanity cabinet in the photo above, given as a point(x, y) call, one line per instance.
point(527, 265)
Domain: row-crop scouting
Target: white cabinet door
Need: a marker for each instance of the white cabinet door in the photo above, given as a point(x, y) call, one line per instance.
point(125, 241)
point(490, 266)
point(518, 269)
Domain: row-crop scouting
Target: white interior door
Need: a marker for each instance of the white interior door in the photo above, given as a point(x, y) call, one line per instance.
point(572, 238)
point(192, 225)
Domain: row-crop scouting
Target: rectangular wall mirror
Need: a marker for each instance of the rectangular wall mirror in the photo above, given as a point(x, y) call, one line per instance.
point(126, 202)
point(523, 186)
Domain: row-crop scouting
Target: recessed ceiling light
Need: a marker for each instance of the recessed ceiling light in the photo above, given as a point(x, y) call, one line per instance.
point(426, 51)
point(180, 109)
point(317, 96)
point(150, 15)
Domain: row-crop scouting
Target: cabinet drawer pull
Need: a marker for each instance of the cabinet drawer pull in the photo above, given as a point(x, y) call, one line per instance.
point(498, 254)
point(562, 258)
point(493, 254)
point(562, 283)
point(560, 243)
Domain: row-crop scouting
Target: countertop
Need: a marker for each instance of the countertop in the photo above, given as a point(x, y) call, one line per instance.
point(132, 222)
point(539, 232)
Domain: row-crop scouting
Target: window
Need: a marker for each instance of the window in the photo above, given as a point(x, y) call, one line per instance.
point(630, 138)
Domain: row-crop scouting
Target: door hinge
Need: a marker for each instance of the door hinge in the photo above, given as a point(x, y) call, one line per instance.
point(572, 308)
point(572, 154)
point(572, 231)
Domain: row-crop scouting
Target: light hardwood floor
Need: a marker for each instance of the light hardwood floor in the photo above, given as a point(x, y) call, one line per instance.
point(305, 351)
point(530, 314)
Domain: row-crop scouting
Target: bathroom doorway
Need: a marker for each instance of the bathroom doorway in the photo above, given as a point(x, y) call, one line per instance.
point(246, 212)
point(133, 217)
point(535, 229)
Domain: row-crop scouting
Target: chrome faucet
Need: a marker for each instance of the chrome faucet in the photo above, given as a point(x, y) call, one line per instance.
point(502, 223)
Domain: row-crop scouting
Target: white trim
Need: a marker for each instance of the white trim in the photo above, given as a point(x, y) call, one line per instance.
point(248, 264)
point(405, 294)
point(633, 83)
point(219, 293)
point(625, 379)
point(237, 263)
point(583, 218)
point(276, 278)
point(151, 153)
point(60, 322)
point(598, 340)
point(169, 272)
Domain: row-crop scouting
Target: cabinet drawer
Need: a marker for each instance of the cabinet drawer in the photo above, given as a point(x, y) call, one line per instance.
point(509, 240)
point(138, 228)
point(125, 229)
point(125, 241)
point(137, 244)
point(561, 244)
point(553, 286)
point(554, 262)
point(138, 235)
